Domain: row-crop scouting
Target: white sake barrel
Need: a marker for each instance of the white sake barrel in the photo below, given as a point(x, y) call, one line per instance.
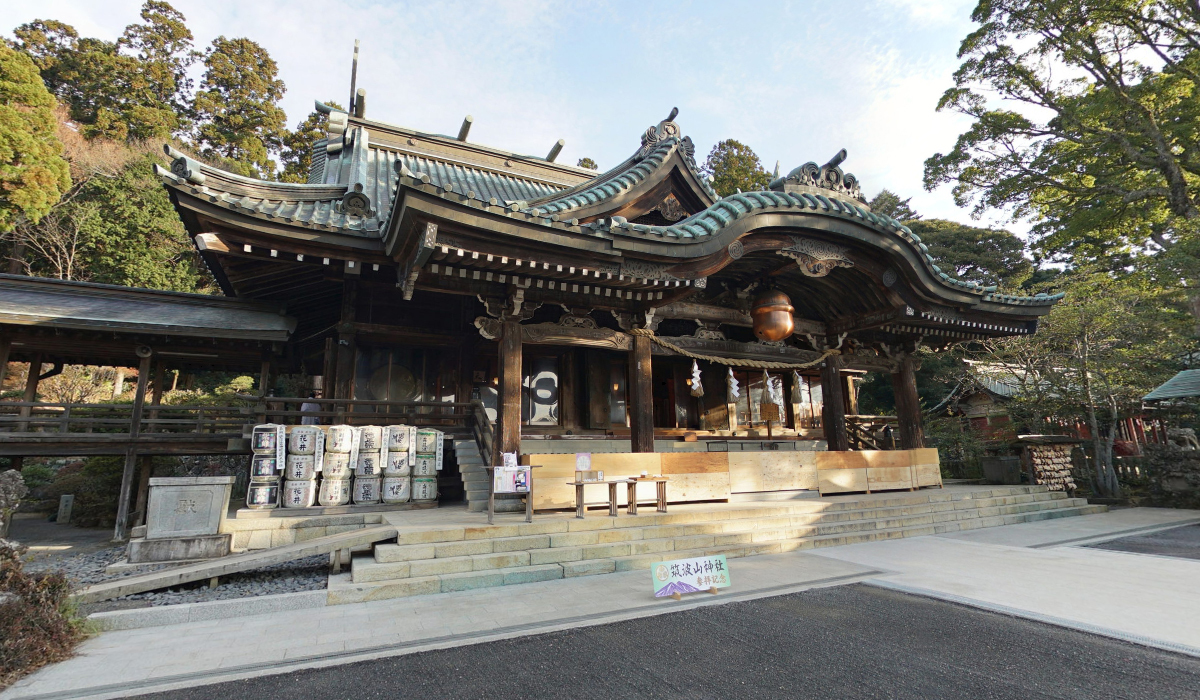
point(372, 438)
point(301, 468)
point(336, 465)
point(424, 465)
point(427, 441)
point(424, 488)
point(264, 439)
point(398, 437)
point(262, 495)
point(334, 492)
point(366, 490)
point(369, 464)
point(264, 468)
point(397, 464)
point(302, 440)
point(299, 494)
point(396, 489)
point(339, 438)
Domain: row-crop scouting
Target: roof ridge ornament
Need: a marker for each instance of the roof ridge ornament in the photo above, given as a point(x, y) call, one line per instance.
point(666, 129)
point(827, 177)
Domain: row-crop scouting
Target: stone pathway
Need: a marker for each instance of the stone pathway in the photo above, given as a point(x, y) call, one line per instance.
point(1016, 569)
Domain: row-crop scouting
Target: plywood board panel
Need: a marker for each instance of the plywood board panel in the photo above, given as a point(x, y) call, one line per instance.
point(883, 459)
point(788, 471)
point(616, 465)
point(841, 480)
point(841, 460)
point(928, 476)
point(695, 462)
point(889, 475)
point(550, 489)
point(698, 487)
point(745, 472)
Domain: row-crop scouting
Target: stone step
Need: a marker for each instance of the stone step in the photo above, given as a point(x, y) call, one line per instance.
point(352, 588)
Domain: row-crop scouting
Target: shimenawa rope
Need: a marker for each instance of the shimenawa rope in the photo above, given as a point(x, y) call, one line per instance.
point(754, 364)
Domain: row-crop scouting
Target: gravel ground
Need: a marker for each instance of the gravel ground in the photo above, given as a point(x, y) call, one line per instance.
point(845, 643)
point(308, 574)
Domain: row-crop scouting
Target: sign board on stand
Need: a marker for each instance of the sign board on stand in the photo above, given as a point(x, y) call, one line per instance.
point(674, 578)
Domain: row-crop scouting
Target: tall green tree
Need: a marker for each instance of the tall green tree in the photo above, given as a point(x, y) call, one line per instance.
point(587, 163)
point(296, 155)
point(133, 88)
point(33, 173)
point(986, 256)
point(1087, 120)
point(889, 203)
point(733, 166)
point(237, 106)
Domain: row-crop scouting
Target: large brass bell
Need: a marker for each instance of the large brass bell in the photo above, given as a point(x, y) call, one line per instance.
point(772, 314)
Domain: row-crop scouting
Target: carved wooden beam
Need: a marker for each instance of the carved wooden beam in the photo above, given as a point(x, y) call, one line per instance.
point(872, 319)
point(732, 317)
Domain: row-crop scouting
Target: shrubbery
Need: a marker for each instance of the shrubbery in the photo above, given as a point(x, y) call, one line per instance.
point(36, 618)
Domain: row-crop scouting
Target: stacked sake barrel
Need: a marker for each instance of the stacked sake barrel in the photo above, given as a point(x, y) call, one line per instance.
point(425, 465)
point(336, 466)
point(368, 469)
point(266, 466)
point(399, 443)
point(300, 470)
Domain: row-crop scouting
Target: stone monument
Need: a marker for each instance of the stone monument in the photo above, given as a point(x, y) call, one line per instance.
point(183, 519)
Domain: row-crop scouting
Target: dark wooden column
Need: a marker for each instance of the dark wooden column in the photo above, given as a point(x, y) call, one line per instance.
point(508, 418)
point(641, 396)
point(121, 531)
point(833, 407)
point(908, 405)
point(5, 352)
point(344, 373)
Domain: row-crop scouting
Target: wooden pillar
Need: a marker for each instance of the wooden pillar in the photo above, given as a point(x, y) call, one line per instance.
point(509, 416)
point(31, 385)
point(266, 375)
point(641, 396)
point(121, 531)
point(908, 405)
point(5, 352)
point(344, 389)
point(143, 493)
point(329, 369)
point(833, 409)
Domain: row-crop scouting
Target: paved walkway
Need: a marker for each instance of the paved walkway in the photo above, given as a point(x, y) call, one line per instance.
point(1017, 569)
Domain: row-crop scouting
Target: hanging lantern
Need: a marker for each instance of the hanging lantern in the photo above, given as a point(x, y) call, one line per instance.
point(772, 314)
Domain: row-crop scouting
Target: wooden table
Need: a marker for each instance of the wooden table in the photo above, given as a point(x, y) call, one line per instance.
point(612, 495)
point(660, 485)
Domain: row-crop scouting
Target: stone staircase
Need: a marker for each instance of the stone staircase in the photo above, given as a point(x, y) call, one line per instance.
point(452, 559)
point(474, 476)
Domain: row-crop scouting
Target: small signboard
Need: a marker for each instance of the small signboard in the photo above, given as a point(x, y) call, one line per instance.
point(508, 459)
point(511, 480)
point(674, 578)
point(769, 411)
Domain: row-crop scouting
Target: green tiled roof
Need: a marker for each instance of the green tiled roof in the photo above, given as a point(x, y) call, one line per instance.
point(1184, 385)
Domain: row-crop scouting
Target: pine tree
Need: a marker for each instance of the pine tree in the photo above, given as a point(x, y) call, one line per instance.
point(33, 174)
point(889, 203)
point(587, 163)
point(733, 167)
point(237, 107)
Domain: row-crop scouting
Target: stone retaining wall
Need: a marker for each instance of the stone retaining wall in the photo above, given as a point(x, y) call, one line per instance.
point(1173, 476)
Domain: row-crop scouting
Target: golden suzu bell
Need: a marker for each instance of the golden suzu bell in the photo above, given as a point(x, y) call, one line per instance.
point(772, 314)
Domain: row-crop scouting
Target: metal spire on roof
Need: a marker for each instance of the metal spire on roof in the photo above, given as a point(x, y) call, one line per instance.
point(353, 77)
point(776, 170)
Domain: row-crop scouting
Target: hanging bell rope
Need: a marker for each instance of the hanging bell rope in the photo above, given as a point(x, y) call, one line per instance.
point(732, 362)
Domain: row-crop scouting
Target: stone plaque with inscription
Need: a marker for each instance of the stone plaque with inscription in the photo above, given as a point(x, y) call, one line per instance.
point(187, 506)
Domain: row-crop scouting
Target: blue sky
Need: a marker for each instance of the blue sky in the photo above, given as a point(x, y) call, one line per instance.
point(795, 81)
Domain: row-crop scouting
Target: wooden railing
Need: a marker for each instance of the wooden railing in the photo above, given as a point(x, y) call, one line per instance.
point(22, 417)
point(481, 427)
point(286, 410)
point(872, 432)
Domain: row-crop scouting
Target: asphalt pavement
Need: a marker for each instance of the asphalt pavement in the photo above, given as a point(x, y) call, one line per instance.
point(1182, 542)
point(854, 641)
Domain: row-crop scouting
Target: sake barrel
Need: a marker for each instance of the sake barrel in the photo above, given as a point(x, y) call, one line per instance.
point(398, 437)
point(264, 468)
point(371, 439)
point(397, 464)
point(299, 494)
point(396, 489)
point(366, 490)
point(300, 468)
point(334, 492)
point(427, 441)
point(424, 465)
point(339, 438)
point(302, 440)
point(336, 465)
point(424, 488)
point(264, 439)
point(263, 494)
point(369, 464)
